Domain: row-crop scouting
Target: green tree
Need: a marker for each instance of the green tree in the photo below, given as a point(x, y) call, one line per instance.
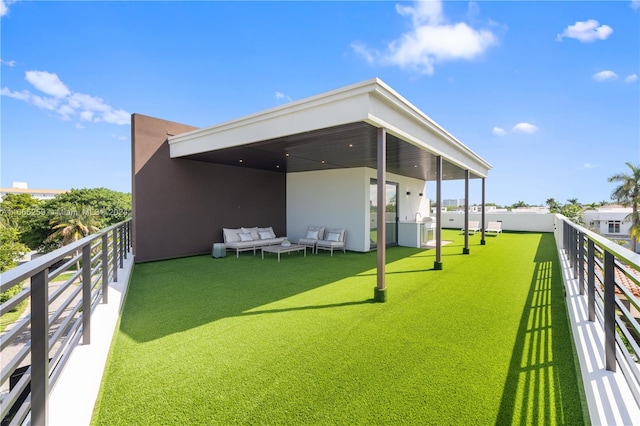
point(554, 206)
point(519, 204)
point(10, 248)
point(573, 212)
point(627, 193)
point(73, 227)
point(106, 206)
point(15, 210)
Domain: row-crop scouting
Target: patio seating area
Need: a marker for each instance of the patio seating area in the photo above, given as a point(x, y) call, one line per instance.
point(242, 341)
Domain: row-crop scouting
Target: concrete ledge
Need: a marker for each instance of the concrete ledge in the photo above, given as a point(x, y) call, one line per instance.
point(73, 398)
point(609, 398)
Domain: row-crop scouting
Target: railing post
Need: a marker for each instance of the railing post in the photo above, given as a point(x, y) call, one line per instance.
point(565, 237)
point(86, 294)
point(125, 236)
point(581, 261)
point(575, 236)
point(105, 267)
point(114, 247)
point(609, 312)
point(591, 280)
point(40, 348)
point(121, 246)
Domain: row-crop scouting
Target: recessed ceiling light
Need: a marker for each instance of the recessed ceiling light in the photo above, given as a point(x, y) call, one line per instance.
point(241, 160)
point(286, 154)
point(277, 166)
point(350, 145)
point(322, 161)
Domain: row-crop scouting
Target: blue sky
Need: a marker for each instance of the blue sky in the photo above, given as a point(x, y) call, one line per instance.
point(546, 92)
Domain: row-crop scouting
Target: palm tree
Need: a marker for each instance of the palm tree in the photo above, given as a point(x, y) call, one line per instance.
point(553, 205)
point(628, 194)
point(74, 227)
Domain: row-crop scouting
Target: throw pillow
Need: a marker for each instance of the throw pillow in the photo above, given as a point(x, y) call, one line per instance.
point(269, 230)
point(245, 236)
point(313, 235)
point(333, 236)
point(264, 235)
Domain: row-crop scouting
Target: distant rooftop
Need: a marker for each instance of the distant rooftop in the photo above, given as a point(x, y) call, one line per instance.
point(22, 188)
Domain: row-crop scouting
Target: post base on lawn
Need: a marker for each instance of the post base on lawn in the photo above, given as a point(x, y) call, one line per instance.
point(380, 294)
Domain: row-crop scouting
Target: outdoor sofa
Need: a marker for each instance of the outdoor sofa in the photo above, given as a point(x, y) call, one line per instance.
point(246, 239)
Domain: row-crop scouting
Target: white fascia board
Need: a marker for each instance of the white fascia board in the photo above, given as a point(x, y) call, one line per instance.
point(340, 106)
point(405, 121)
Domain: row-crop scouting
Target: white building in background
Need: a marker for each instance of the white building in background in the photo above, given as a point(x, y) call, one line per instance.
point(22, 188)
point(609, 221)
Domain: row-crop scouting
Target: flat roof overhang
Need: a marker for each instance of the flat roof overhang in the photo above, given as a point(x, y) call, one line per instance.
point(336, 129)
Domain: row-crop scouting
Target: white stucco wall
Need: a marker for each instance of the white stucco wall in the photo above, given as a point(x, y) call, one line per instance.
point(340, 199)
point(530, 222)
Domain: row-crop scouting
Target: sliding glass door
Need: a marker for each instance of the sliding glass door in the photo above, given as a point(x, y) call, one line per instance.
point(391, 214)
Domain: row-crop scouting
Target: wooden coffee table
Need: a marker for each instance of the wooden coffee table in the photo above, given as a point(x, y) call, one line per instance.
point(282, 249)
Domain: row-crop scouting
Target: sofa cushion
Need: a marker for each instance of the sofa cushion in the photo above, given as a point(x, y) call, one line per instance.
point(312, 234)
point(231, 235)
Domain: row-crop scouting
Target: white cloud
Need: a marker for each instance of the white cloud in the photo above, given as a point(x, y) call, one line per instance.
point(527, 128)
point(4, 6)
point(48, 83)
point(118, 116)
point(588, 166)
point(8, 63)
point(605, 75)
point(431, 40)
point(635, 4)
point(79, 126)
point(586, 31)
point(498, 131)
point(120, 138)
point(631, 78)
point(282, 97)
point(66, 104)
point(21, 96)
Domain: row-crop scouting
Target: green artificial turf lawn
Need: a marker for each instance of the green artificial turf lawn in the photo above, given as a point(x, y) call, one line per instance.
point(251, 341)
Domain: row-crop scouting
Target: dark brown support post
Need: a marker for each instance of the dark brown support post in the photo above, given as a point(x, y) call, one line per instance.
point(121, 245)
point(591, 280)
point(40, 348)
point(465, 249)
point(380, 292)
point(482, 241)
point(114, 259)
point(105, 267)
point(581, 261)
point(437, 264)
point(609, 312)
point(86, 294)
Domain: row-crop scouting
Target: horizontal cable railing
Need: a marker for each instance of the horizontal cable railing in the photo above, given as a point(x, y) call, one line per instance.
point(36, 347)
point(608, 275)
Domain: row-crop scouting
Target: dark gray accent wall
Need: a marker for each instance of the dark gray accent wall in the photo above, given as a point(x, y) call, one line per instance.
point(180, 206)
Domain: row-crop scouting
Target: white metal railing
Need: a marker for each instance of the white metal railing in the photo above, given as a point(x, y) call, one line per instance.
point(35, 349)
point(606, 273)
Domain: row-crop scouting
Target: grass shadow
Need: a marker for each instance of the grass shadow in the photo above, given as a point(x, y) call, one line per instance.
point(172, 296)
point(539, 388)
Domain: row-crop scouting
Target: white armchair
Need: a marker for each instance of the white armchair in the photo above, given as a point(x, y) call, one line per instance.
point(314, 234)
point(334, 239)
